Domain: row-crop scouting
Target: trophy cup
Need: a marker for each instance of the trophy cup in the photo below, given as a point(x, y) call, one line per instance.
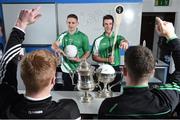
point(105, 74)
point(85, 80)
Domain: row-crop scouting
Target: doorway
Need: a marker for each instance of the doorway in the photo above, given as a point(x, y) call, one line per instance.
point(148, 33)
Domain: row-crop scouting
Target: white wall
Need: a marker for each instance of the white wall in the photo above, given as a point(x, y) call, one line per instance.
point(148, 6)
point(41, 32)
point(91, 16)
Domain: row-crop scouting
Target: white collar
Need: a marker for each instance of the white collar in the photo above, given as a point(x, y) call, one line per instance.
point(19, 29)
point(36, 99)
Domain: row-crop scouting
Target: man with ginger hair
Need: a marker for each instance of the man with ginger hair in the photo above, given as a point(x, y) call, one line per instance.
point(38, 74)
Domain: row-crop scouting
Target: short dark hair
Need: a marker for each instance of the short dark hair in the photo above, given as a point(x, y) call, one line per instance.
point(139, 62)
point(108, 17)
point(72, 16)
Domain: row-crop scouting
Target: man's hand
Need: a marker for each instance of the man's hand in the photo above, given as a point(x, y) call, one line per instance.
point(111, 59)
point(59, 52)
point(76, 59)
point(55, 47)
point(124, 44)
point(164, 28)
point(27, 17)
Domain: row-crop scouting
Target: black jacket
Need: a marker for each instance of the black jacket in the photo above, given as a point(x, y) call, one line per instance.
point(14, 105)
point(174, 47)
point(142, 102)
point(24, 108)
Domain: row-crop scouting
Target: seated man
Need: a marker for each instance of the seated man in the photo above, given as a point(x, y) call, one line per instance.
point(138, 101)
point(38, 73)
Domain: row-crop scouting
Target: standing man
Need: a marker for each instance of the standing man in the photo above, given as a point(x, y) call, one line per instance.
point(71, 37)
point(102, 48)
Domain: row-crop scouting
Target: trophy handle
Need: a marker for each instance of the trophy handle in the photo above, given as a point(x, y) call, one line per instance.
point(110, 87)
point(96, 81)
point(97, 84)
point(119, 82)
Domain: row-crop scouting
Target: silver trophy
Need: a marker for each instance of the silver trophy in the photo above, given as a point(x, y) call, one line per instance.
point(105, 74)
point(85, 80)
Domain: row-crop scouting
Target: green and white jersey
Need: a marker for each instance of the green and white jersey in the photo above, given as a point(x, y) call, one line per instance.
point(80, 40)
point(102, 47)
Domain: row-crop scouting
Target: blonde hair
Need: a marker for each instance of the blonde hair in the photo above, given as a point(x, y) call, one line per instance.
point(37, 69)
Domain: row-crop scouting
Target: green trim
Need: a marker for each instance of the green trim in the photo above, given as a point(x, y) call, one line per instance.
point(172, 38)
point(172, 86)
point(113, 107)
point(176, 89)
point(161, 113)
point(138, 86)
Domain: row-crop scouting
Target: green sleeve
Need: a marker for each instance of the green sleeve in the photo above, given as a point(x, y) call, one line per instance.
point(119, 39)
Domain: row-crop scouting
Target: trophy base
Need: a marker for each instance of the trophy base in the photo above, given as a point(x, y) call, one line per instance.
point(86, 99)
point(104, 94)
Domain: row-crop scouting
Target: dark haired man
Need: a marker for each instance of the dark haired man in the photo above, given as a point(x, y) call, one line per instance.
point(102, 48)
point(137, 100)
